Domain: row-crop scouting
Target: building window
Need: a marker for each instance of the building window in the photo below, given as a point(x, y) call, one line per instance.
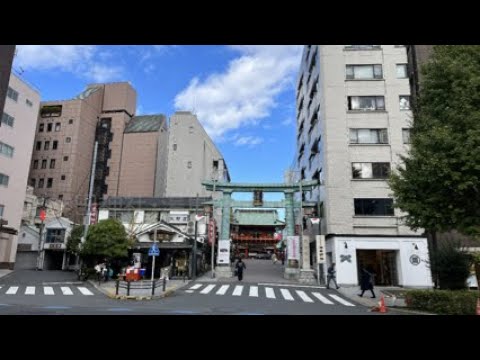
point(55, 145)
point(174, 147)
point(39, 145)
point(51, 111)
point(46, 146)
point(68, 140)
point(4, 179)
point(41, 127)
point(190, 129)
point(40, 183)
point(63, 177)
point(55, 236)
point(32, 182)
point(60, 197)
point(6, 150)
point(70, 122)
point(49, 182)
point(402, 71)
point(215, 164)
point(7, 119)
point(374, 207)
point(29, 103)
point(370, 170)
point(12, 94)
point(368, 136)
point(404, 102)
point(44, 164)
point(58, 126)
point(65, 158)
point(364, 72)
point(2, 210)
point(362, 47)
point(189, 164)
point(366, 103)
point(406, 136)
point(49, 127)
point(35, 164)
point(52, 163)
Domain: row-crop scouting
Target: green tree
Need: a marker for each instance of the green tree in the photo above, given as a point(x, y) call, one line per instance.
point(438, 184)
point(74, 240)
point(106, 240)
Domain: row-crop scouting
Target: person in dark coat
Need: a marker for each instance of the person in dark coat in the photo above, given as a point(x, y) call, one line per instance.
point(239, 269)
point(331, 275)
point(366, 282)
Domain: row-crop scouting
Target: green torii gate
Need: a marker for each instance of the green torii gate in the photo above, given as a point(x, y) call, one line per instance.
point(226, 202)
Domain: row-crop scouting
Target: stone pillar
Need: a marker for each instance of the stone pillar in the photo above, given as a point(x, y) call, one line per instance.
point(291, 269)
point(306, 273)
point(225, 270)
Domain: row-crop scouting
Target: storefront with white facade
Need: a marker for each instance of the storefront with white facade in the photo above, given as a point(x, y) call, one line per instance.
point(396, 261)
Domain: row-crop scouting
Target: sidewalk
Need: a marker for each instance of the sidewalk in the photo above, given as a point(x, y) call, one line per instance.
point(109, 288)
point(4, 272)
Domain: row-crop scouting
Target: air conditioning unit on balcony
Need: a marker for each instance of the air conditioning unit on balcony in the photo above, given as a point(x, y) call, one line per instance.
point(191, 228)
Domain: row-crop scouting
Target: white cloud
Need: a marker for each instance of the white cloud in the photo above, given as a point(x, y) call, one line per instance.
point(245, 92)
point(86, 61)
point(148, 69)
point(287, 121)
point(250, 141)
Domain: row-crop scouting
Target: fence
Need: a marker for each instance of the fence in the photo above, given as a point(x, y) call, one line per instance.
point(140, 285)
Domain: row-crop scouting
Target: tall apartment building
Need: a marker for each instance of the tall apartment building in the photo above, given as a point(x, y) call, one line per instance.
point(192, 158)
point(417, 56)
point(353, 120)
point(17, 132)
point(6, 58)
point(65, 139)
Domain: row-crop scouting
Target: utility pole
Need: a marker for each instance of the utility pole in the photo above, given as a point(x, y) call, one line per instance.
point(153, 257)
point(40, 242)
point(194, 264)
point(301, 220)
point(213, 215)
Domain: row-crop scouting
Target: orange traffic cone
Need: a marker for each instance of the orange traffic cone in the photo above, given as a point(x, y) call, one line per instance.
point(478, 306)
point(383, 308)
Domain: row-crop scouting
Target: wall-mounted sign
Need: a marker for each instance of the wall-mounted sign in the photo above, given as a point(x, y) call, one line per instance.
point(223, 252)
point(415, 260)
point(293, 248)
point(320, 242)
point(54, 246)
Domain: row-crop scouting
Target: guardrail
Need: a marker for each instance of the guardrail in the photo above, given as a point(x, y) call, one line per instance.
point(140, 285)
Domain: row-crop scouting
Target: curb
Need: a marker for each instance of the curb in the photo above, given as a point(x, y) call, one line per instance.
point(111, 294)
point(7, 275)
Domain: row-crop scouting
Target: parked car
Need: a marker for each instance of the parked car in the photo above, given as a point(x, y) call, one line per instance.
point(264, 256)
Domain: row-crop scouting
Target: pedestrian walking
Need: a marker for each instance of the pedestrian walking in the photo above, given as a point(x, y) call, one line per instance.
point(239, 269)
point(366, 282)
point(331, 275)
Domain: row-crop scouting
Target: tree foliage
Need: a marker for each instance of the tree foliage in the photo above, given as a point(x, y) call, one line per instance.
point(74, 239)
point(438, 184)
point(106, 240)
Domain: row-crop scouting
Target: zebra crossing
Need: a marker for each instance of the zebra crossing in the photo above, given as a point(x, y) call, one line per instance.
point(269, 292)
point(44, 290)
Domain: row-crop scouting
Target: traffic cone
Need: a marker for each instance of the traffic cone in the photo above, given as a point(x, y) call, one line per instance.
point(383, 308)
point(478, 306)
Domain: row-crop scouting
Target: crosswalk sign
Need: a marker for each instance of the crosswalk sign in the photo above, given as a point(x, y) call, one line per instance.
point(154, 250)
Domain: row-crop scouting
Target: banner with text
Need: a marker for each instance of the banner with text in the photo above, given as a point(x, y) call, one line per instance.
point(293, 247)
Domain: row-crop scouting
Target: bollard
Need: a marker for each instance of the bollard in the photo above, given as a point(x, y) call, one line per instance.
point(153, 287)
point(117, 286)
point(164, 283)
point(128, 288)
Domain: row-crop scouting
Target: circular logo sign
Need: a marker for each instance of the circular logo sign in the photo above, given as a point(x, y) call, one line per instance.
point(415, 260)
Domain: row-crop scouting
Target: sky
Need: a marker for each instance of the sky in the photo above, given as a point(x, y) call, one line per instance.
point(244, 95)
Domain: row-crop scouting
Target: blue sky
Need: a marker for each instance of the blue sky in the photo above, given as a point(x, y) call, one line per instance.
point(243, 95)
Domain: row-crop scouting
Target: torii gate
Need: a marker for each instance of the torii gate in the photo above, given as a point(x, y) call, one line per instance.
point(226, 203)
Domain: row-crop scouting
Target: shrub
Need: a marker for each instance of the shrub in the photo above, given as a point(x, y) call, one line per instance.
point(453, 266)
point(444, 302)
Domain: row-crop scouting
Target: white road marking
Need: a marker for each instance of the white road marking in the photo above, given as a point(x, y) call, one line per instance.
point(12, 290)
point(223, 289)
point(48, 290)
point(286, 295)
point(270, 293)
point(238, 290)
point(195, 287)
point(341, 301)
point(84, 290)
point(30, 290)
point(322, 298)
point(253, 291)
point(66, 290)
point(207, 289)
point(189, 291)
point(304, 296)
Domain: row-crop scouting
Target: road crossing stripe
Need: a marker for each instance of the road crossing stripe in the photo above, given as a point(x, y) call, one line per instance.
point(270, 293)
point(304, 296)
point(322, 298)
point(341, 301)
point(196, 286)
point(223, 289)
point(48, 290)
point(238, 290)
point(66, 290)
point(30, 290)
point(207, 289)
point(84, 290)
point(286, 295)
point(253, 291)
point(12, 290)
